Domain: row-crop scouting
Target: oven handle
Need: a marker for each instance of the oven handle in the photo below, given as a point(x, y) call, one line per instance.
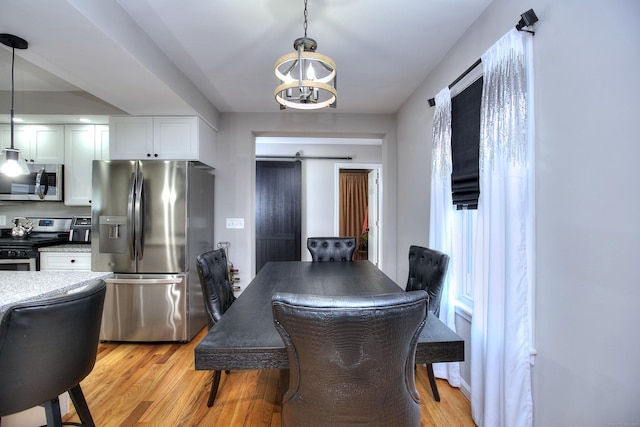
point(30, 261)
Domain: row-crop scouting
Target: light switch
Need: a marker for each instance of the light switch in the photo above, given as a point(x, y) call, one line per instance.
point(235, 222)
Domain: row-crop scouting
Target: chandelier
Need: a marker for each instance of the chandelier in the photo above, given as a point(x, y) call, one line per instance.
point(307, 79)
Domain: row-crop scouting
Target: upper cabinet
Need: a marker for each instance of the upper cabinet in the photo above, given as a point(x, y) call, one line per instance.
point(83, 145)
point(164, 138)
point(42, 144)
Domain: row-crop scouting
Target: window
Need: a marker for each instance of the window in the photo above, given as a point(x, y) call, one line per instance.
point(465, 228)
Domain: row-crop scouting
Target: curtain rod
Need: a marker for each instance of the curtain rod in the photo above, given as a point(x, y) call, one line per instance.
point(527, 19)
point(299, 157)
point(432, 101)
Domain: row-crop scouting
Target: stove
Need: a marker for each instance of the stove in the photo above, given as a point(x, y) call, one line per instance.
point(22, 254)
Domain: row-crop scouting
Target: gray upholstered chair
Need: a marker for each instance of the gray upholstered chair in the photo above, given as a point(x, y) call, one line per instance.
point(331, 248)
point(218, 296)
point(427, 268)
point(46, 348)
point(351, 359)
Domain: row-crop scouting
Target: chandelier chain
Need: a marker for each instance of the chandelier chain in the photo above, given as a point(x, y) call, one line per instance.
point(305, 18)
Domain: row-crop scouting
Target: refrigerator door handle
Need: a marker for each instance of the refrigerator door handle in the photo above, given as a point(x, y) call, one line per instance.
point(144, 281)
point(139, 216)
point(130, 215)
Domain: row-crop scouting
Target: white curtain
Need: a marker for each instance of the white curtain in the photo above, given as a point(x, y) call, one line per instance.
point(441, 220)
point(500, 335)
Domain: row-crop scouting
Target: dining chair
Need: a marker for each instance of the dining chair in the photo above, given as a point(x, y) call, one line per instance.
point(351, 359)
point(47, 347)
point(427, 268)
point(331, 248)
point(218, 296)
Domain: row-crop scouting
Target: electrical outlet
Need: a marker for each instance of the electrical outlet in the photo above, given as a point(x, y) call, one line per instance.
point(235, 222)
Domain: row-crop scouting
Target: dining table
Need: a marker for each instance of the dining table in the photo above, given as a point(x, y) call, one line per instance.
point(246, 338)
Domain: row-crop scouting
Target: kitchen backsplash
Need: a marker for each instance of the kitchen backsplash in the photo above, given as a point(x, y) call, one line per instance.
point(10, 210)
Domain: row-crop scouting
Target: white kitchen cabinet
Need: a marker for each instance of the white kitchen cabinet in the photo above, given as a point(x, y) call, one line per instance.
point(163, 138)
point(77, 261)
point(130, 137)
point(43, 144)
point(83, 144)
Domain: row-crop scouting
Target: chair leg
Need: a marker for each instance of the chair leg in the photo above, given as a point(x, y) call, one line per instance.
point(52, 411)
point(432, 381)
point(215, 382)
point(79, 402)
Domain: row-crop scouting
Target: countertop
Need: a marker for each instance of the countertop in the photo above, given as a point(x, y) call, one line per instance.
point(67, 247)
point(20, 286)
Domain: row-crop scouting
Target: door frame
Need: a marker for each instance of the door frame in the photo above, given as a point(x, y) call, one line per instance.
point(336, 197)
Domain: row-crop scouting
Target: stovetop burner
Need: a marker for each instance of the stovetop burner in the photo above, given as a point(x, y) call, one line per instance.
point(33, 240)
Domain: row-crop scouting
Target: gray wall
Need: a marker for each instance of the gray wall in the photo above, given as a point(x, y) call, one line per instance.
point(586, 61)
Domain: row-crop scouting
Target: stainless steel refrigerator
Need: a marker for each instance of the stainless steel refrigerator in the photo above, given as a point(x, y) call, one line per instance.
point(150, 219)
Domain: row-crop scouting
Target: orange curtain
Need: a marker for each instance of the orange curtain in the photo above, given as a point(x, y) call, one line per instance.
point(353, 203)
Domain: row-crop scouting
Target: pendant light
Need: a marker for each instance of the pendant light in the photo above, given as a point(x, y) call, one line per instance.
point(11, 160)
point(307, 79)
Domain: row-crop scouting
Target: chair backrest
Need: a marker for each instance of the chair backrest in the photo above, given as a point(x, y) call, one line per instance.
point(351, 359)
point(48, 346)
point(427, 268)
point(214, 280)
point(331, 248)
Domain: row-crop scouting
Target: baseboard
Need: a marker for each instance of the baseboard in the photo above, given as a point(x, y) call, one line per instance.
point(465, 388)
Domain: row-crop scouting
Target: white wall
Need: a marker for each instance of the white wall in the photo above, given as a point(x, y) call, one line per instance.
point(235, 176)
point(586, 61)
point(318, 181)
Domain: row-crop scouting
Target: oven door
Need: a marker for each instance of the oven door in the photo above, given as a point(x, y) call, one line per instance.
point(28, 264)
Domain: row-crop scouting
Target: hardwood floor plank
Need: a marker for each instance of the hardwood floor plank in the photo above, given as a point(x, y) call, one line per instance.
point(137, 413)
point(156, 385)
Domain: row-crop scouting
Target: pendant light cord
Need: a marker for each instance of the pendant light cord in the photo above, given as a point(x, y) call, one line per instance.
point(13, 60)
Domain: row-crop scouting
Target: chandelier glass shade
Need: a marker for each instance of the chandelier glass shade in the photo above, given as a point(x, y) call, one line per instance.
point(308, 80)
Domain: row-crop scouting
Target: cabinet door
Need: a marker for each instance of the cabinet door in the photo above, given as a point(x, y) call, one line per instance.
point(102, 143)
point(47, 144)
point(131, 138)
point(80, 150)
point(176, 138)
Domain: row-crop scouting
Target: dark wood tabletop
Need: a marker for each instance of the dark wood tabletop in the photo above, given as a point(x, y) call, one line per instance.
point(245, 337)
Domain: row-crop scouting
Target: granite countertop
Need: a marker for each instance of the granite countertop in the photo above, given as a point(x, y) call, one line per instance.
point(67, 247)
point(20, 286)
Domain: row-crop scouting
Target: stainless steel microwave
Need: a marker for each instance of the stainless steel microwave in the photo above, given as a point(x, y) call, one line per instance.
point(43, 183)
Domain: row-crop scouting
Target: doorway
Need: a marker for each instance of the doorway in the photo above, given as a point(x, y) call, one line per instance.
point(358, 200)
point(321, 160)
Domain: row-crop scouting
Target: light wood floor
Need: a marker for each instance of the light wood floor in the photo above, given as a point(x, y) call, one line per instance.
point(156, 385)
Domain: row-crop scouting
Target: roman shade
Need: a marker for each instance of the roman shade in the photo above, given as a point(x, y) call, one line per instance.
point(465, 143)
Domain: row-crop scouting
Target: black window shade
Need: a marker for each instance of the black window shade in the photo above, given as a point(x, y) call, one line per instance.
point(465, 146)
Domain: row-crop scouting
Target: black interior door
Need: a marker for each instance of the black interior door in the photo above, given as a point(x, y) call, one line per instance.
point(278, 211)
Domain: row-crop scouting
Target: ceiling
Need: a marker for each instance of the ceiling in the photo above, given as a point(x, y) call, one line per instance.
point(164, 57)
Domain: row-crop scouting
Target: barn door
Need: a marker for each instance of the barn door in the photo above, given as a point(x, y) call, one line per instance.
point(278, 211)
